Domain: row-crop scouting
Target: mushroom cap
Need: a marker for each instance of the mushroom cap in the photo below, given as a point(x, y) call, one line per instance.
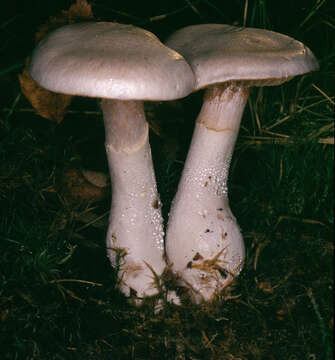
point(252, 57)
point(110, 60)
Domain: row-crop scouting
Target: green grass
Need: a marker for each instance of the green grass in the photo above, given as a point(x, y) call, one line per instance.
point(57, 289)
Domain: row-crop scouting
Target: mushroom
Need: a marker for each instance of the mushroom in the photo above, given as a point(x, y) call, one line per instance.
point(123, 65)
point(203, 240)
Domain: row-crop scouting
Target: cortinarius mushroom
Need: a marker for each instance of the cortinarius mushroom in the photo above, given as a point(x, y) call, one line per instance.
point(123, 65)
point(203, 241)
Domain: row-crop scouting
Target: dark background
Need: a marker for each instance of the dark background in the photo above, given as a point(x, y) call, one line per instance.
point(20, 19)
point(281, 194)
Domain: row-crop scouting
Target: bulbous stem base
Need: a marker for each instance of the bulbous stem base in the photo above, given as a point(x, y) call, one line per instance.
point(204, 244)
point(135, 238)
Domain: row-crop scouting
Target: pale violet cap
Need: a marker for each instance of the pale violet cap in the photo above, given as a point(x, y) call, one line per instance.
point(221, 53)
point(110, 60)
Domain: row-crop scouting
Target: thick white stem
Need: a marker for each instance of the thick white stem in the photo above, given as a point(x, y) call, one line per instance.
point(135, 238)
point(203, 242)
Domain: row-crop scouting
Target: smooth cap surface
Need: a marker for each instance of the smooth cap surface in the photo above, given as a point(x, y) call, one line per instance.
point(110, 60)
point(220, 53)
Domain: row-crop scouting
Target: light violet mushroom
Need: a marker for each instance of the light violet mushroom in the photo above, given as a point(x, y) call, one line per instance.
point(123, 65)
point(203, 241)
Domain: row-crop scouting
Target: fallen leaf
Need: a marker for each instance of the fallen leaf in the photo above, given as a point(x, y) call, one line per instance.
point(78, 12)
point(75, 186)
point(47, 104)
point(81, 10)
point(50, 105)
point(3, 315)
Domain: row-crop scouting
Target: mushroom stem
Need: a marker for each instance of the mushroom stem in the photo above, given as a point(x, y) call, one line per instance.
point(135, 238)
point(125, 124)
point(203, 241)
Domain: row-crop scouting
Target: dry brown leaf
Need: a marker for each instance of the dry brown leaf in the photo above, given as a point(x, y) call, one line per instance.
point(4, 314)
point(76, 187)
point(80, 11)
point(47, 104)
